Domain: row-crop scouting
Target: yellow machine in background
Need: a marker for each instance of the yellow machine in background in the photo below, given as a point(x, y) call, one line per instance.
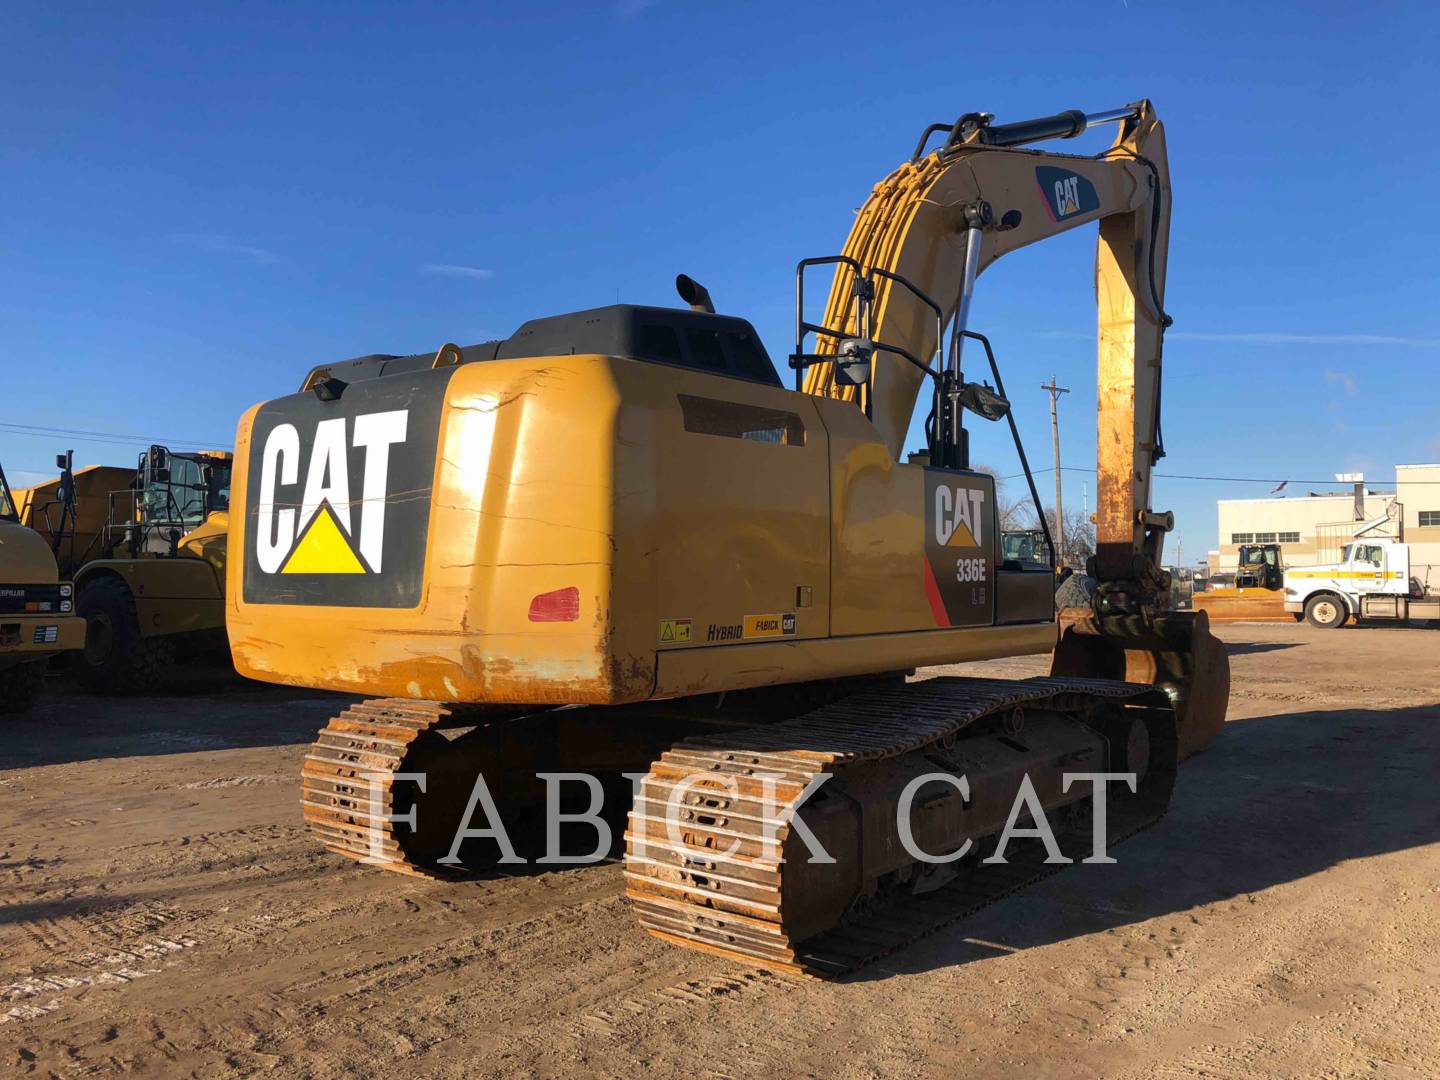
point(146, 549)
point(1258, 592)
point(36, 609)
point(626, 509)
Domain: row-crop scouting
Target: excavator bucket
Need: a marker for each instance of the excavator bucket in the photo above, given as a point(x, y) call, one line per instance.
point(1242, 605)
point(1174, 651)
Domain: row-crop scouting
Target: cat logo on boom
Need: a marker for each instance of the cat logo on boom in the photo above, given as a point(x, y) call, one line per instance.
point(1065, 193)
point(331, 533)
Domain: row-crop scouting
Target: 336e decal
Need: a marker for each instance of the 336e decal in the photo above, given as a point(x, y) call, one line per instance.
point(959, 547)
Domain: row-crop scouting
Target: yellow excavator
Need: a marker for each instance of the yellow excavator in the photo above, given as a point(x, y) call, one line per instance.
point(617, 534)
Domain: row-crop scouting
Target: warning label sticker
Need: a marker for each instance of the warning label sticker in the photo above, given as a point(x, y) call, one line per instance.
point(674, 631)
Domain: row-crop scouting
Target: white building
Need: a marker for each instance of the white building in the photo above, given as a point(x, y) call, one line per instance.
point(1310, 528)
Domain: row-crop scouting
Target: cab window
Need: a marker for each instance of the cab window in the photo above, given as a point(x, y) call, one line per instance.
point(706, 352)
point(660, 343)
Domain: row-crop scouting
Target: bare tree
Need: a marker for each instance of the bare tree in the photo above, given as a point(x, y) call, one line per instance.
point(1078, 542)
point(1012, 512)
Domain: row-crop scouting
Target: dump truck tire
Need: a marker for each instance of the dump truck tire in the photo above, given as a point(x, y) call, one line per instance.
point(117, 658)
point(1326, 611)
point(18, 686)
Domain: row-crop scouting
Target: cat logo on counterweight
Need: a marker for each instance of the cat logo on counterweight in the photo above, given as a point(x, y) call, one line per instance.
point(330, 533)
point(336, 493)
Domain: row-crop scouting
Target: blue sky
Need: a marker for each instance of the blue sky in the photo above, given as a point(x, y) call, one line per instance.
point(202, 202)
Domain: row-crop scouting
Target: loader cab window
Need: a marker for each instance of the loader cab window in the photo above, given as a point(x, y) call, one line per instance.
point(217, 485)
point(186, 491)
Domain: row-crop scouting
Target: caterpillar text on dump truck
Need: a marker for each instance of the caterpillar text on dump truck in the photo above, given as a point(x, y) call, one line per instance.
point(1371, 581)
point(146, 549)
point(618, 532)
point(36, 609)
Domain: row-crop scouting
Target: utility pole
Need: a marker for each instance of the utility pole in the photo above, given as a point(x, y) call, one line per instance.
point(1055, 392)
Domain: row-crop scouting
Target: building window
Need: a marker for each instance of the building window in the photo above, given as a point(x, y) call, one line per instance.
point(1264, 538)
point(1242, 538)
point(1288, 538)
point(1429, 518)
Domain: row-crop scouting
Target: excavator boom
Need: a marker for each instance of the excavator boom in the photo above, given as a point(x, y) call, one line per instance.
point(939, 221)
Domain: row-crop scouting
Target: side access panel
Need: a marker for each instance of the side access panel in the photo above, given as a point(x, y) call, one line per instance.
point(915, 548)
point(741, 542)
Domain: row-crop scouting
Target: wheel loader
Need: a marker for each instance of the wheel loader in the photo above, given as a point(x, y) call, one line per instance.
point(37, 617)
point(145, 547)
point(619, 535)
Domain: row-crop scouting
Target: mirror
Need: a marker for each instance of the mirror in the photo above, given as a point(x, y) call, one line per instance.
point(852, 362)
point(983, 401)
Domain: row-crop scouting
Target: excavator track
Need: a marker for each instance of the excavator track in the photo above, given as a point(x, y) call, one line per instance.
point(348, 782)
point(736, 903)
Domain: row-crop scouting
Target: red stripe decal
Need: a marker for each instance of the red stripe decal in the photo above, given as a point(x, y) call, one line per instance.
point(1045, 201)
point(932, 593)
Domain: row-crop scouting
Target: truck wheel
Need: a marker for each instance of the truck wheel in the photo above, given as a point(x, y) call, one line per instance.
point(1326, 611)
point(19, 684)
point(117, 658)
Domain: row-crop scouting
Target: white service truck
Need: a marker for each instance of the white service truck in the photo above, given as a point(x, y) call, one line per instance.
point(1371, 581)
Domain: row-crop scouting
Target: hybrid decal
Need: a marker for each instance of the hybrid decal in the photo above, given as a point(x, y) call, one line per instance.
point(1065, 194)
point(754, 627)
point(338, 494)
point(959, 547)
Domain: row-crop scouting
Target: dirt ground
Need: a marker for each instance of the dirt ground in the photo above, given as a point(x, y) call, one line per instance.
point(163, 910)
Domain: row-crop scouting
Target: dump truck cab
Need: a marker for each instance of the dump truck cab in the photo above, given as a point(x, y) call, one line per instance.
point(146, 549)
point(36, 608)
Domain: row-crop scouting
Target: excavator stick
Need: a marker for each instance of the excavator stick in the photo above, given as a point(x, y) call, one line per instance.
point(1173, 651)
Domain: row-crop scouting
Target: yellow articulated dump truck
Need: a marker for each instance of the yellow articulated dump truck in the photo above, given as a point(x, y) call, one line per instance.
point(145, 547)
point(36, 609)
point(628, 511)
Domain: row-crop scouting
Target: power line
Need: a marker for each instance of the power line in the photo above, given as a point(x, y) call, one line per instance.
point(1224, 479)
point(83, 435)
